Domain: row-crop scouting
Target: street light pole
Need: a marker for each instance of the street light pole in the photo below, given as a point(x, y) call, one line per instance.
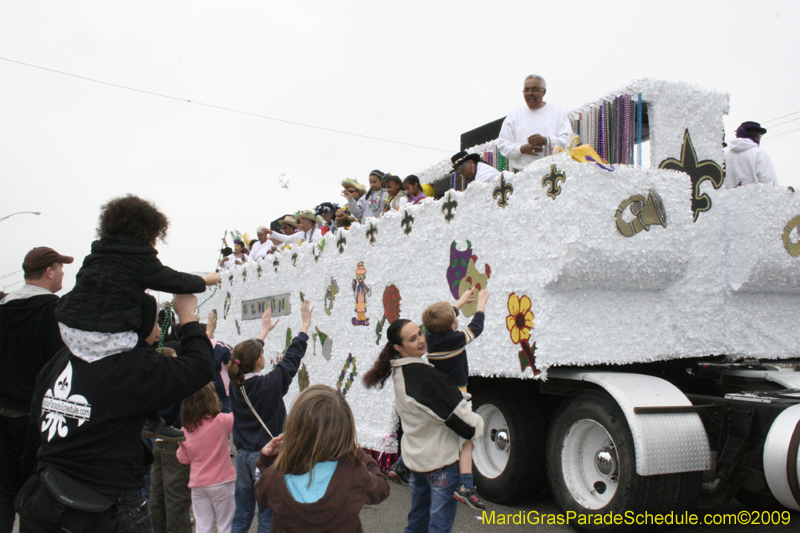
point(20, 213)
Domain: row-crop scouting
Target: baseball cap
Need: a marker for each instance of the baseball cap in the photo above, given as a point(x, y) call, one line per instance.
point(42, 257)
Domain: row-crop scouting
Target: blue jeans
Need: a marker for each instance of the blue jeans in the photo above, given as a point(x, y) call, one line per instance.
point(246, 495)
point(433, 508)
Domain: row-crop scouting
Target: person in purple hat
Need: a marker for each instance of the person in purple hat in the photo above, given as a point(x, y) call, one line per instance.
point(29, 337)
point(745, 161)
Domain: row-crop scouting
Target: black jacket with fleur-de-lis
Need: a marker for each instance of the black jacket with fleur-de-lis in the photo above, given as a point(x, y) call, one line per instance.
point(90, 414)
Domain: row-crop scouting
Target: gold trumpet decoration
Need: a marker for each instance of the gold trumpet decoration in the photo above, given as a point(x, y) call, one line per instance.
point(648, 211)
point(792, 247)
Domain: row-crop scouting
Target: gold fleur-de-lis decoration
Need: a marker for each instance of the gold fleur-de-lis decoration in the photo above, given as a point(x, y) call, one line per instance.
point(372, 233)
point(502, 191)
point(407, 221)
point(449, 206)
point(698, 171)
point(551, 181)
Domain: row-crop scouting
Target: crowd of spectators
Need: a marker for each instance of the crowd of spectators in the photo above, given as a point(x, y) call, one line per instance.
point(387, 192)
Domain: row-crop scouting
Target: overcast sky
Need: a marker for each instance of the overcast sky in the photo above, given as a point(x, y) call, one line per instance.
point(413, 72)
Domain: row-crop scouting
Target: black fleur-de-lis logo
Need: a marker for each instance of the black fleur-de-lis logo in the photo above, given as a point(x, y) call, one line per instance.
point(407, 221)
point(275, 265)
point(294, 259)
point(551, 181)
point(63, 384)
point(698, 171)
point(448, 207)
point(244, 274)
point(259, 270)
point(341, 242)
point(502, 192)
point(372, 233)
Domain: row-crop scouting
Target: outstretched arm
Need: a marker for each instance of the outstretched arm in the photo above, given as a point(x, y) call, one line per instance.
point(267, 324)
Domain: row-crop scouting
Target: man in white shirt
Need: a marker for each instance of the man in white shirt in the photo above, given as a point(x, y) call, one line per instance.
point(745, 161)
point(534, 130)
point(471, 168)
point(264, 246)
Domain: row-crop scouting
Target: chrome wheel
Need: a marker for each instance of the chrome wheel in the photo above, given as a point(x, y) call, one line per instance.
point(590, 464)
point(492, 451)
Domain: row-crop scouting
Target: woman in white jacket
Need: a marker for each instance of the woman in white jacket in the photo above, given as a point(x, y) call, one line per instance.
point(435, 415)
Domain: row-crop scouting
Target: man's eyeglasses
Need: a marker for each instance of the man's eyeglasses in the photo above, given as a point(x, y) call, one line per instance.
point(532, 90)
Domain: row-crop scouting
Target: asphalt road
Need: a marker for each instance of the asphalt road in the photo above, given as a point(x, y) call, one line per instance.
point(390, 517)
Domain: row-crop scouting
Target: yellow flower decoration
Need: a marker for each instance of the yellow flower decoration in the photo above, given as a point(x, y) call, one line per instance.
point(520, 318)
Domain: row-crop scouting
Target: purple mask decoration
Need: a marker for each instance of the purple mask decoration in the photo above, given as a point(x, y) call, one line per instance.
point(458, 267)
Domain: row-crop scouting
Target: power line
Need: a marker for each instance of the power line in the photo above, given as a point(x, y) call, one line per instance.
point(784, 116)
point(781, 134)
point(782, 123)
point(773, 120)
point(222, 108)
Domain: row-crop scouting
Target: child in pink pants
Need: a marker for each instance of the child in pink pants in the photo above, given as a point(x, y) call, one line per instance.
point(212, 478)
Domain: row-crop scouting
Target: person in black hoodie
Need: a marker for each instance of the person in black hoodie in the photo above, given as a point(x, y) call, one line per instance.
point(102, 313)
point(90, 413)
point(29, 337)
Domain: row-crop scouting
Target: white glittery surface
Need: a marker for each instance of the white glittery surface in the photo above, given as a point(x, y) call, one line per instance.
point(722, 285)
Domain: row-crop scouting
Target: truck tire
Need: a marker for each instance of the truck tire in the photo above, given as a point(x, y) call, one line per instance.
point(509, 460)
point(591, 464)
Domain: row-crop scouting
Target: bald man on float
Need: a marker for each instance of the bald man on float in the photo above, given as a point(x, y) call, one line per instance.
point(534, 130)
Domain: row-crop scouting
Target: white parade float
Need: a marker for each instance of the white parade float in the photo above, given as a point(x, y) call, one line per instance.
point(631, 317)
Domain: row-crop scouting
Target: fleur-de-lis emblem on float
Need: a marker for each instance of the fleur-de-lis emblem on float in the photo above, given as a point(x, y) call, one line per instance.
point(340, 242)
point(449, 206)
point(58, 405)
point(372, 233)
point(275, 264)
point(698, 171)
point(407, 222)
point(551, 181)
point(259, 270)
point(294, 259)
point(502, 191)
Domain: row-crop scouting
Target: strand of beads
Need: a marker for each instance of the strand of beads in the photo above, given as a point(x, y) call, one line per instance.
point(216, 288)
point(164, 326)
point(627, 133)
point(601, 141)
point(639, 130)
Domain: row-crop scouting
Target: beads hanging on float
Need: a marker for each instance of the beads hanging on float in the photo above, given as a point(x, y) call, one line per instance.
point(609, 126)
